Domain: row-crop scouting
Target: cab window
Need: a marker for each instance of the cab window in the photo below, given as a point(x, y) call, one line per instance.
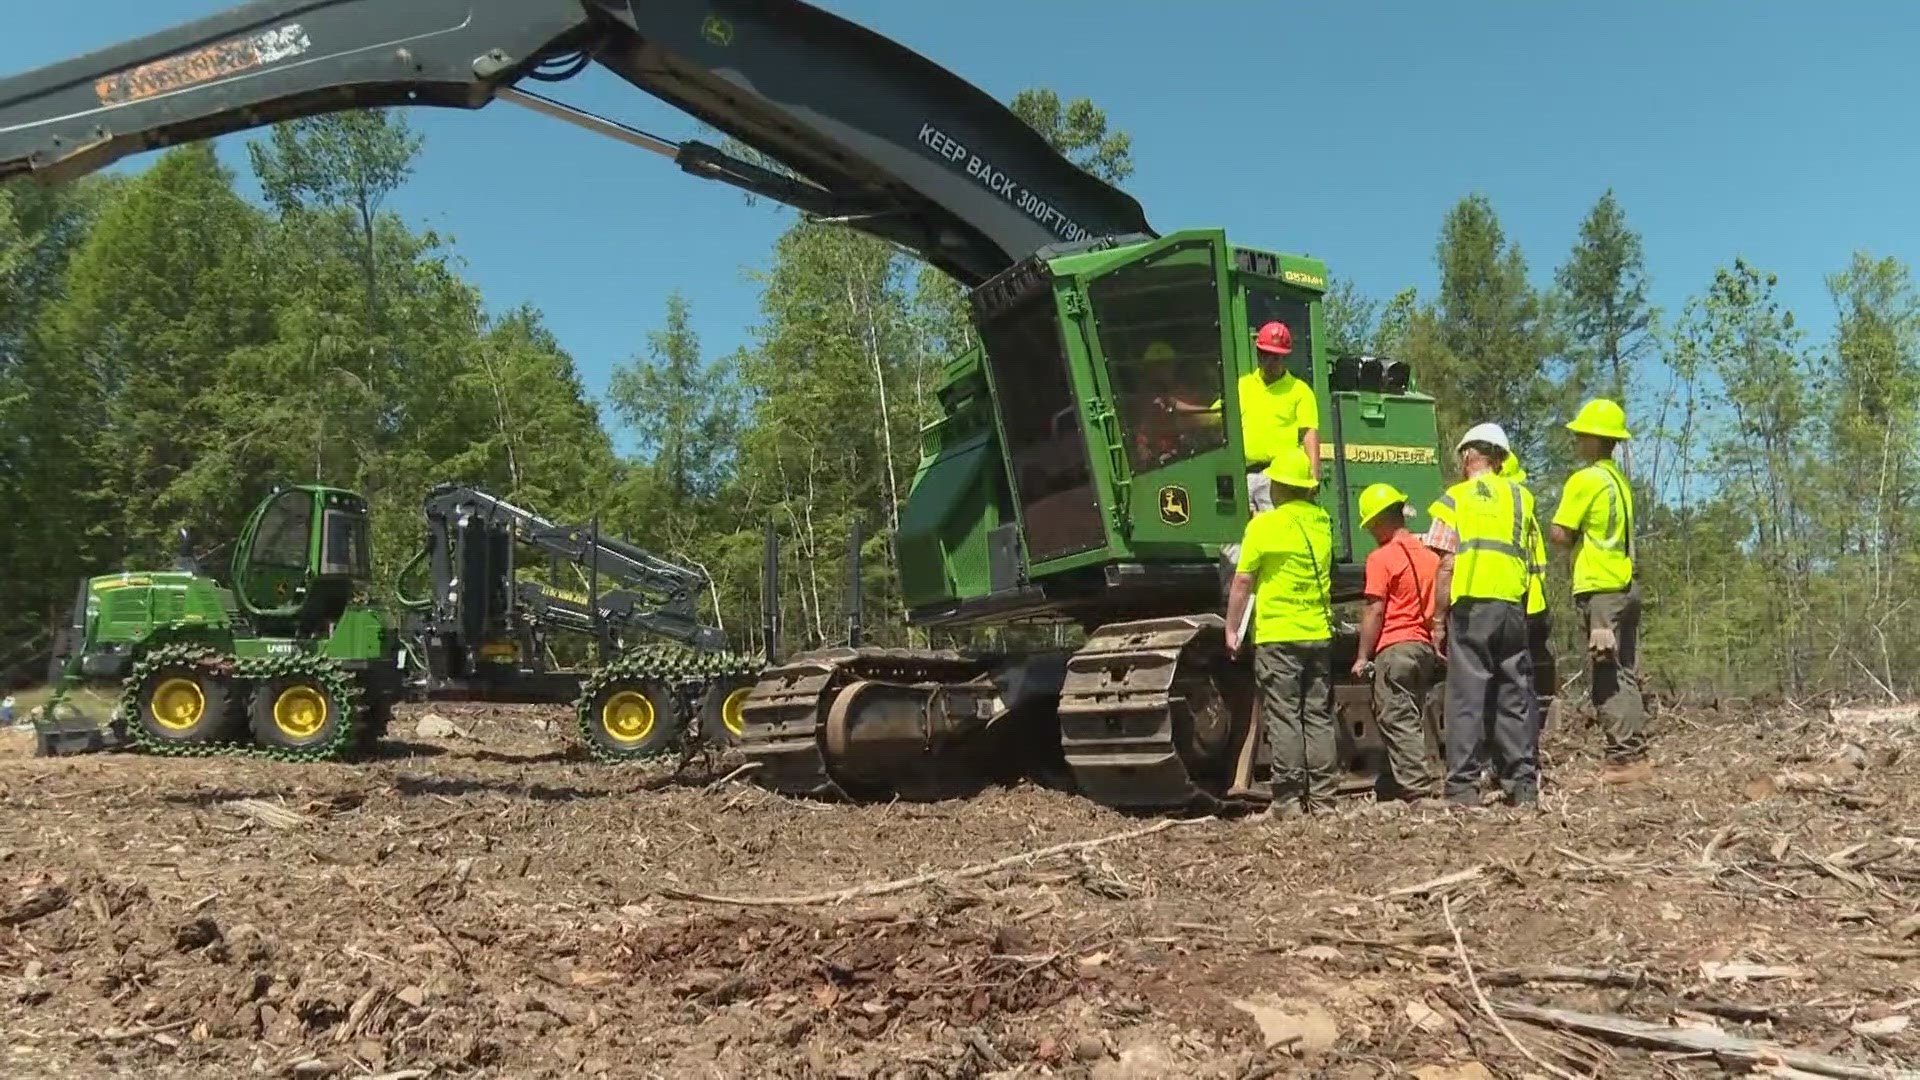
point(281, 539)
point(1269, 303)
point(343, 546)
point(1159, 327)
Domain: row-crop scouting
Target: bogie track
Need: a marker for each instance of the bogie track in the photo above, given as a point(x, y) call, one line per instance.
point(321, 706)
point(647, 702)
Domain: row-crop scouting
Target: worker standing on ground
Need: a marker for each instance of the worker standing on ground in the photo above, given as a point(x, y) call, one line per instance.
point(1595, 519)
point(1479, 529)
point(1396, 642)
point(1278, 412)
point(1539, 622)
point(1285, 571)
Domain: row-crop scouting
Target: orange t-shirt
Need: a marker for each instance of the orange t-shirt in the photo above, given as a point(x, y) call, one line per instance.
point(1401, 572)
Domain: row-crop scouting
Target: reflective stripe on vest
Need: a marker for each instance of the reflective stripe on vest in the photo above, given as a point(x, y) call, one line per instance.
point(1619, 511)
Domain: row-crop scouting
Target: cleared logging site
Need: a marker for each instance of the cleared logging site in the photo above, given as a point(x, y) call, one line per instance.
point(493, 904)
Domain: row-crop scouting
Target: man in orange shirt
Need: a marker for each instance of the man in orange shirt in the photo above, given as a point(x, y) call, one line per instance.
point(1396, 641)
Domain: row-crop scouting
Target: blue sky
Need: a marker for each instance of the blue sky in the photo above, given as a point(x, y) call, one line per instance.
point(1344, 131)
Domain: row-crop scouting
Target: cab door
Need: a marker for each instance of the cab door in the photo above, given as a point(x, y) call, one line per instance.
point(1166, 347)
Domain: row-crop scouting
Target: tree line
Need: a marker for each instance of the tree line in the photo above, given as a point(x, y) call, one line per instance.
point(169, 349)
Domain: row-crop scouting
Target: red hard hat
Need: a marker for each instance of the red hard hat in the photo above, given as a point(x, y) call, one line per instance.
point(1274, 338)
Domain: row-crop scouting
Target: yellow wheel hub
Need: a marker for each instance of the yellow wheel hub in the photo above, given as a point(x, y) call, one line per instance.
point(733, 710)
point(300, 711)
point(177, 704)
point(627, 716)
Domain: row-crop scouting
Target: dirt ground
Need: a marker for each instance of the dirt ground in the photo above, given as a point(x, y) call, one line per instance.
point(487, 905)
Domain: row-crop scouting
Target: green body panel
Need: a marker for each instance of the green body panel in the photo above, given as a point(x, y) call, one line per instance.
point(1389, 439)
point(1056, 435)
point(360, 634)
point(133, 609)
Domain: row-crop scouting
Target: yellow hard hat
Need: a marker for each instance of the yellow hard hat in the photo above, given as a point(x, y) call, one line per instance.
point(1603, 417)
point(1158, 352)
point(1511, 469)
point(1291, 467)
point(1378, 498)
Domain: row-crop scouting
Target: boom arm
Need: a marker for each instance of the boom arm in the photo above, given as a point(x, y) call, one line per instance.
point(469, 537)
point(885, 140)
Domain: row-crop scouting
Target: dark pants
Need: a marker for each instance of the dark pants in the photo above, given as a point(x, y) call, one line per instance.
point(1615, 679)
point(1546, 675)
point(1402, 674)
point(1490, 702)
point(1296, 705)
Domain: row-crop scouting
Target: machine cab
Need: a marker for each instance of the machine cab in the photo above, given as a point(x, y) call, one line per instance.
point(1117, 392)
point(302, 554)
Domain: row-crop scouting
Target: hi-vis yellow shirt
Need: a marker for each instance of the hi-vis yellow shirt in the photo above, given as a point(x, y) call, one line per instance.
point(1597, 507)
point(1289, 550)
point(1272, 415)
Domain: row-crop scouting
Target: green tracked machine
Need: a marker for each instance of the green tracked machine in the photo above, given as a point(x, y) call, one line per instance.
point(1049, 489)
point(1058, 486)
point(287, 661)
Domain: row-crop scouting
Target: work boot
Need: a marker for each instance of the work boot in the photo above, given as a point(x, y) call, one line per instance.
point(1285, 809)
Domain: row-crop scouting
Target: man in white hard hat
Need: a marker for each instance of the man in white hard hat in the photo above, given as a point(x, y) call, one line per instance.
point(1479, 529)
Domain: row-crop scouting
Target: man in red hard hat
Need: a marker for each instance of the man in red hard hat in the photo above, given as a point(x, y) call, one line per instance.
point(1277, 411)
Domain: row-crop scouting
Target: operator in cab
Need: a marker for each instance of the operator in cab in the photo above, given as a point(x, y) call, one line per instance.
point(1396, 643)
point(1284, 574)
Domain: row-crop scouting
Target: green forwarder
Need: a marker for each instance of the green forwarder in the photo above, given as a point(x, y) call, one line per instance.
point(291, 661)
point(1058, 486)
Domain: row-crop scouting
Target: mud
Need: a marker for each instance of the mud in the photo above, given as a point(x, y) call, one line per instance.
point(489, 905)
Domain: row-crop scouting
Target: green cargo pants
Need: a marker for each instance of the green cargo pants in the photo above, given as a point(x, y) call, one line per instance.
point(1402, 674)
point(1615, 678)
point(1296, 705)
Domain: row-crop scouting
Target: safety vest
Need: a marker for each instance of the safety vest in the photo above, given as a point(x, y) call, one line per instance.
point(1490, 514)
point(1536, 563)
point(1604, 559)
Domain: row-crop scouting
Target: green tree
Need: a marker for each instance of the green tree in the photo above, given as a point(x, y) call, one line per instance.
point(1491, 322)
point(1603, 285)
point(681, 408)
point(1755, 433)
point(349, 161)
point(1872, 436)
point(1351, 318)
point(160, 295)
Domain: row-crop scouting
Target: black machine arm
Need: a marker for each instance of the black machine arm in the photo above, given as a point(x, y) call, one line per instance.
point(887, 141)
point(470, 538)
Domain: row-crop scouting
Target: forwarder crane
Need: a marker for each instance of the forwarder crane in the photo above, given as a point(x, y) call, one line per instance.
point(1051, 487)
point(480, 632)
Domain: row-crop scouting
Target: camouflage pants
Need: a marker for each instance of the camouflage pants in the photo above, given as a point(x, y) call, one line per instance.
point(1296, 706)
point(1402, 674)
point(1615, 679)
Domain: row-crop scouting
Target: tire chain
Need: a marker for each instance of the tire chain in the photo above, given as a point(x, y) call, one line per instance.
point(688, 673)
point(236, 671)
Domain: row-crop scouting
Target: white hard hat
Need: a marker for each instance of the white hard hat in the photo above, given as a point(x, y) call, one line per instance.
point(1486, 433)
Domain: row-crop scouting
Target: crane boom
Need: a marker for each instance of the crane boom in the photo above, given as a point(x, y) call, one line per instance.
point(874, 134)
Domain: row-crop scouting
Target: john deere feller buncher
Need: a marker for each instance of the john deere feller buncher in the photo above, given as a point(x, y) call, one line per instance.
point(1051, 488)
